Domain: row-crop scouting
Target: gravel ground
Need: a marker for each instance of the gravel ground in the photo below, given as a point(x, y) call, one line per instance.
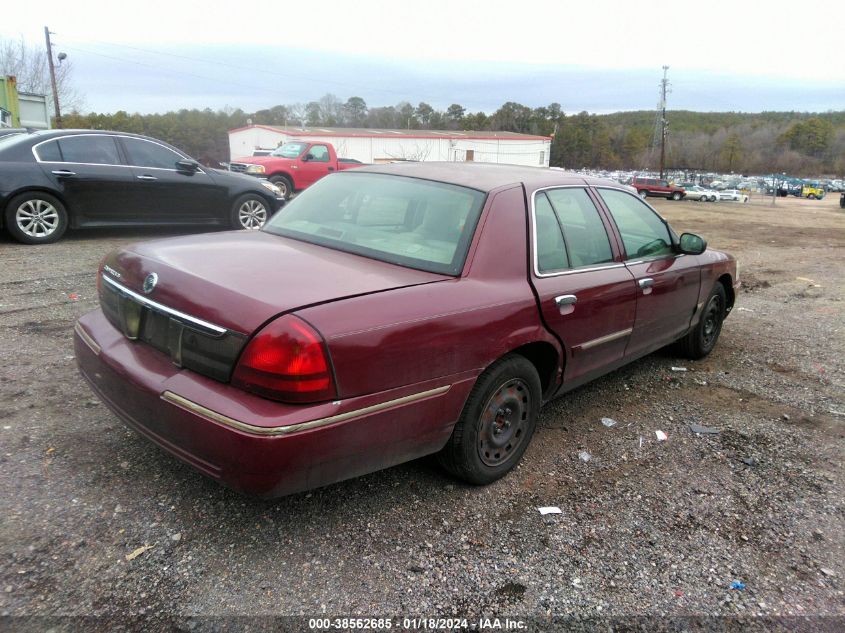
point(98, 522)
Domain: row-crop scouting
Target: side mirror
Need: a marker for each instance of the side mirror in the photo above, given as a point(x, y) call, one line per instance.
point(187, 165)
point(692, 244)
point(307, 157)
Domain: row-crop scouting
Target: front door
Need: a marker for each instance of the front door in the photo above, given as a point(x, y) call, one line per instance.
point(315, 164)
point(667, 282)
point(587, 297)
point(164, 193)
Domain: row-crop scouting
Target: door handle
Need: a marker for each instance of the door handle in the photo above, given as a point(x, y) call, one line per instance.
point(63, 173)
point(646, 282)
point(565, 300)
point(566, 303)
point(147, 177)
point(331, 168)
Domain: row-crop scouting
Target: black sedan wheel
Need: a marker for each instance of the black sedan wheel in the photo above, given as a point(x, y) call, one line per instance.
point(36, 218)
point(496, 424)
point(250, 212)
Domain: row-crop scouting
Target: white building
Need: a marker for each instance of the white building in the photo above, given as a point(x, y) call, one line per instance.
point(381, 146)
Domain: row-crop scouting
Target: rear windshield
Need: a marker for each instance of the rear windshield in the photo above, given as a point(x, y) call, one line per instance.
point(407, 221)
point(289, 150)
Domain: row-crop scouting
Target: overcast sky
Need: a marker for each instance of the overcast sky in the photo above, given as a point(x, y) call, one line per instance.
point(599, 56)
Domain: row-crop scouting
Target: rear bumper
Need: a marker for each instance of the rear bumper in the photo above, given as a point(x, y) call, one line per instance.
point(254, 445)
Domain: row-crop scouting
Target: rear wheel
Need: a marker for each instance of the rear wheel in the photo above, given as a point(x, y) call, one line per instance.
point(702, 339)
point(250, 212)
point(643, 193)
point(283, 183)
point(36, 218)
point(496, 424)
point(676, 195)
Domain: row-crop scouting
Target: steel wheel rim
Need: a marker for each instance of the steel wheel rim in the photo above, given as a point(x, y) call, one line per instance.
point(504, 422)
point(712, 321)
point(252, 215)
point(37, 218)
point(282, 185)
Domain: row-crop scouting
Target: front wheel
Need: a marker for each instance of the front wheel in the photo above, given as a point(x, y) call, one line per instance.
point(283, 183)
point(496, 424)
point(250, 212)
point(676, 196)
point(36, 218)
point(702, 339)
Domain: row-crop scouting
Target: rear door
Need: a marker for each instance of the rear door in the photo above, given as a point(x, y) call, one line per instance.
point(164, 193)
point(667, 282)
point(587, 296)
point(314, 164)
point(88, 172)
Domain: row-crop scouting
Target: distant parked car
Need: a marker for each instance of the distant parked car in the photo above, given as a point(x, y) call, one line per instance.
point(656, 187)
point(56, 179)
point(733, 194)
point(701, 194)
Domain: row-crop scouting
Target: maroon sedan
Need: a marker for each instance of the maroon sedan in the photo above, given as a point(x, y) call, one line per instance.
point(392, 312)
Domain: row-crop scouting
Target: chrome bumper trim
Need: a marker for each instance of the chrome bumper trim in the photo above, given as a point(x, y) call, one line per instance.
point(184, 403)
point(86, 338)
point(162, 308)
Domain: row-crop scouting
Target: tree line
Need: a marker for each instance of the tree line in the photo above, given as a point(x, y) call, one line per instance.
point(793, 142)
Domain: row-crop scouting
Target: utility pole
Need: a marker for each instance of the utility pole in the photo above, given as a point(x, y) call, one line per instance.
point(53, 78)
point(664, 85)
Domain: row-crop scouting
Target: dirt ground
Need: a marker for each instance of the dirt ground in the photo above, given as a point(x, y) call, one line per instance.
point(647, 528)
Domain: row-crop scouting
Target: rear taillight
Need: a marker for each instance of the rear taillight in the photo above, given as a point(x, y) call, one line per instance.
point(286, 361)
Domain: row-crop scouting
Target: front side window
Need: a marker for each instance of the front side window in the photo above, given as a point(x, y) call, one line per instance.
point(319, 153)
point(586, 238)
point(147, 154)
point(644, 233)
point(416, 223)
point(289, 150)
point(99, 149)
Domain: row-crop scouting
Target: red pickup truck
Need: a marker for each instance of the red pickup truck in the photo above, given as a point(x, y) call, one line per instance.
point(294, 165)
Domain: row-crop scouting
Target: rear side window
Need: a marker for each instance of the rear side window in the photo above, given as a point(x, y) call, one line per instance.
point(49, 152)
point(146, 154)
point(644, 234)
point(100, 150)
point(586, 238)
point(551, 249)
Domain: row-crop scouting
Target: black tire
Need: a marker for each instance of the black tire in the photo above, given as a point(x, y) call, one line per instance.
point(250, 212)
point(702, 339)
point(496, 424)
point(642, 193)
point(676, 196)
point(283, 183)
point(36, 218)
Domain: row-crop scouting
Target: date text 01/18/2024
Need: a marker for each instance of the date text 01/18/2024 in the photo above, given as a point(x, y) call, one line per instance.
point(416, 624)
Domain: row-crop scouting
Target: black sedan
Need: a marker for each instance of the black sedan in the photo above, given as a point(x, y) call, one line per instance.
point(52, 180)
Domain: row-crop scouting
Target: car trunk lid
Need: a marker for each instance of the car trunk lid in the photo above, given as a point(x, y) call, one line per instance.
point(239, 280)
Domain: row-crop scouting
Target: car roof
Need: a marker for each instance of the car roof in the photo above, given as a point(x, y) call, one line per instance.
point(485, 176)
